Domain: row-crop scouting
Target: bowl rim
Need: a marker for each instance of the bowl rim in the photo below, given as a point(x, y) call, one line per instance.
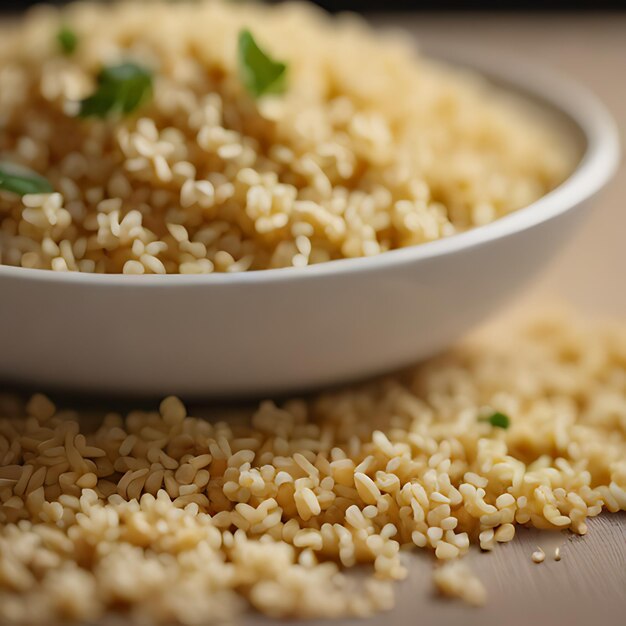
point(552, 90)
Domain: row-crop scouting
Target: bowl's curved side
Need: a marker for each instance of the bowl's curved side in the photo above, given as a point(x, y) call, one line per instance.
point(260, 339)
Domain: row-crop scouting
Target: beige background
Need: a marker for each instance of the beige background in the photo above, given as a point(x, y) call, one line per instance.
point(589, 584)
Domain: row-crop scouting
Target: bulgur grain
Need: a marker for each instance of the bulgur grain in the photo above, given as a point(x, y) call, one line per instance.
point(538, 556)
point(203, 178)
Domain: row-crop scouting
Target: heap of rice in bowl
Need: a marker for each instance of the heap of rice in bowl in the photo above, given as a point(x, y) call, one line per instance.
point(362, 146)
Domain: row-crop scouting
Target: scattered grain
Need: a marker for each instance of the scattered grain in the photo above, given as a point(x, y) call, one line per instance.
point(176, 518)
point(538, 556)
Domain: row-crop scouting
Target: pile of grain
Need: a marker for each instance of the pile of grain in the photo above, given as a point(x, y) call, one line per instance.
point(372, 147)
point(173, 517)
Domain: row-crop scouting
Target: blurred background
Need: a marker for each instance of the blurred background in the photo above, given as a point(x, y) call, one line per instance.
point(427, 5)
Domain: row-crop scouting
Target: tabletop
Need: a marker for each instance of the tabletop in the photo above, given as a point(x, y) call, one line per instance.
point(589, 582)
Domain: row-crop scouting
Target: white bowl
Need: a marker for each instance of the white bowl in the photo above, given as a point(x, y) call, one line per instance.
point(287, 330)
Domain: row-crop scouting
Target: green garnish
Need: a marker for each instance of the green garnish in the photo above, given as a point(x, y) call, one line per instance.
point(68, 40)
point(260, 74)
point(121, 89)
point(497, 419)
point(20, 180)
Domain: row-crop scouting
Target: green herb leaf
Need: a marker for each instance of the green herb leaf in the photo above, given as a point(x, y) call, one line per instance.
point(498, 420)
point(21, 180)
point(260, 74)
point(121, 89)
point(68, 40)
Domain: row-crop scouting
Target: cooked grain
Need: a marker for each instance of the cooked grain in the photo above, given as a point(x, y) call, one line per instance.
point(371, 148)
point(538, 556)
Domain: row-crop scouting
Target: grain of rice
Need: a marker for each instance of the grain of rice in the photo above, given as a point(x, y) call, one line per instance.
point(538, 556)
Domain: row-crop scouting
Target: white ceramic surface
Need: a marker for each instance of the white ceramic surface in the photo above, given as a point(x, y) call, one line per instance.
point(287, 330)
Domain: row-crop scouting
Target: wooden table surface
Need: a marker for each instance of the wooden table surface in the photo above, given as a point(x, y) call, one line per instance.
point(589, 583)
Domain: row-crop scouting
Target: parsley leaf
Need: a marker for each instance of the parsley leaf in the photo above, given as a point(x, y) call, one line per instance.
point(497, 419)
point(121, 89)
point(260, 74)
point(21, 180)
point(68, 40)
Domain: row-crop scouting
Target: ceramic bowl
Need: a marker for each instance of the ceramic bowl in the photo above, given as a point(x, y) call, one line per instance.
point(289, 330)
